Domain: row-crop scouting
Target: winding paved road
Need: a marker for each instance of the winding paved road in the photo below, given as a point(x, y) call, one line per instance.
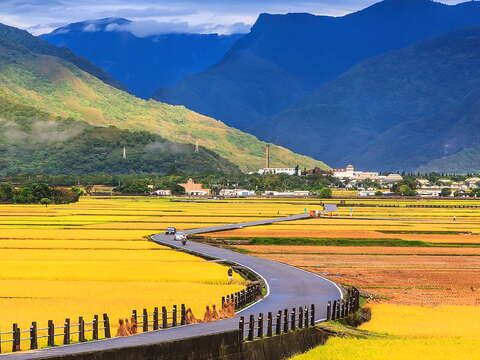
point(288, 287)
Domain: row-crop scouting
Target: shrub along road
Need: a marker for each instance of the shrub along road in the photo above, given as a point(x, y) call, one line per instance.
point(287, 287)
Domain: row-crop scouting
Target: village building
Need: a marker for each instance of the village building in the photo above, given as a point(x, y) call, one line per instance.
point(298, 193)
point(472, 182)
point(162, 192)
point(236, 192)
point(275, 171)
point(192, 188)
point(350, 173)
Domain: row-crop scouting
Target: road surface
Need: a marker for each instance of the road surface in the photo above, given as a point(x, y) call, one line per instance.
point(287, 287)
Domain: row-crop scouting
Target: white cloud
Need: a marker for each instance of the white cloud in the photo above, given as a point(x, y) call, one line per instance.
point(152, 27)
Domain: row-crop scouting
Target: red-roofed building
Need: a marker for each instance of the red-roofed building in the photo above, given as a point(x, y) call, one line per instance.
point(191, 188)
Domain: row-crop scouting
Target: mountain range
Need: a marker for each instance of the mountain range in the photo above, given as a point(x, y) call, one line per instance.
point(397, 111)
point(142, 64)
point(275, 80)
point(53, 110)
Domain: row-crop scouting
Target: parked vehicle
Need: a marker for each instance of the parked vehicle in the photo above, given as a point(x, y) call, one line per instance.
point(170, 231)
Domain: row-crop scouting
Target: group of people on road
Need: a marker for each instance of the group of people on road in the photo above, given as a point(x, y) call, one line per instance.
point(227, 311)
point(127, 328)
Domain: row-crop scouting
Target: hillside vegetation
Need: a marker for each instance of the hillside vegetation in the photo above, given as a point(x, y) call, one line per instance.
point(397, 111)
point(59, 88)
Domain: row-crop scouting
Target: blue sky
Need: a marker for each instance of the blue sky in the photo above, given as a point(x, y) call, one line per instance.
point(221, 16)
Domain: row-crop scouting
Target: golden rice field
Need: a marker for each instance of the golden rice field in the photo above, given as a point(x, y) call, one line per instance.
point(92, 257)
point(409, 332)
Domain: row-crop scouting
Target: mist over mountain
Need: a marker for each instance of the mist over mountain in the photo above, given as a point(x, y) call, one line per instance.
point(140, 61)
point(286, 57)
point(54, 115)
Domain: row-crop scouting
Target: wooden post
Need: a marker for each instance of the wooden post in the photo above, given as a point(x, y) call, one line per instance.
point(15, 338)
point(66, 332)
point(241, 327)
point(293, 319)
point(135, 316)
point(357, 300)
point(33, 336)
point(312, 315)
point(334, 310)
point(106, 324)
point(155, 318)
point(174, 316)
point(278, 328)
point(223, 301)
point(306, 320)
point(51, 334)
point(338, 308)
point(285, 320)
point(164, 318)
point(269, 325)
point(81, 329)
point(183, 319)
point(300, 317)
point(329, 310)
point(145, 320)
point(251, 328)
point(260, 325)
point(95, 327)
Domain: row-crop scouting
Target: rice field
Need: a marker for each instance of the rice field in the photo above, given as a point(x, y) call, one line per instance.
point(93, 257)
point(409, 332)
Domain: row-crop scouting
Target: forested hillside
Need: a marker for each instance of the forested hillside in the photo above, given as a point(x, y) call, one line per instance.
point(397, 111)
point(60, 89)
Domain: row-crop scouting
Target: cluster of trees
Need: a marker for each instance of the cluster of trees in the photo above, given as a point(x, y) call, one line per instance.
point(38, 193)
point(138, 183)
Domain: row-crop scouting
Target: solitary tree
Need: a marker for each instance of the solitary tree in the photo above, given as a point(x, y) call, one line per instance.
point(45, 201)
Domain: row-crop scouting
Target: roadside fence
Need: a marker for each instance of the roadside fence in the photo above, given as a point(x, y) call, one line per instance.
point(284, 321)
point(82, 331)
point(100, 328)
point(252, 293)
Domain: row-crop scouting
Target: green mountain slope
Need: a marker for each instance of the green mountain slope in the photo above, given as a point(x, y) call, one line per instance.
point(32, 143)
point(40, 46)
point(396, 111)
point(59, 88)
point(463, 162)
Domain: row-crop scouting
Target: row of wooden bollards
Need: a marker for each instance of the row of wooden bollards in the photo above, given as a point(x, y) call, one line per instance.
point(283, 322)
point(339, 309)
point(244, 297)
point(52, 332)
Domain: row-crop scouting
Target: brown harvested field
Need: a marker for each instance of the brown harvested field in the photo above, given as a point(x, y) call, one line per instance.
point(404, 279)
point(287, 249)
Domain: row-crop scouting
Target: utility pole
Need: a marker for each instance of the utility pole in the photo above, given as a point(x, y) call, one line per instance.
point(267, 156)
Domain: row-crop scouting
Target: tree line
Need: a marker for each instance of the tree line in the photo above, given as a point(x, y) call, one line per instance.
point(38, 193)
